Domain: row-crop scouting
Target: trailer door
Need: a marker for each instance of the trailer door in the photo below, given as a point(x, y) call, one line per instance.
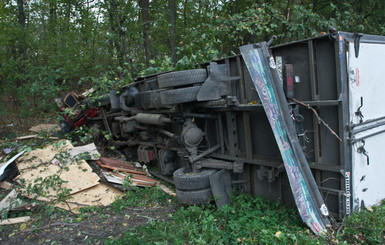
point(367, 122)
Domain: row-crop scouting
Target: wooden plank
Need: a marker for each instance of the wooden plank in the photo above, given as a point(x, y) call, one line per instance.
point(119, 169)
point(34, 136)
point(5, 185)
point(10, 199)
point(136, 180)
point(167, 190)
point(117, 163)
point(15, 220)
point(136, 177)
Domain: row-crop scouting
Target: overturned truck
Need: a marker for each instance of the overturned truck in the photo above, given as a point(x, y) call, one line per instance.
point(305, 117)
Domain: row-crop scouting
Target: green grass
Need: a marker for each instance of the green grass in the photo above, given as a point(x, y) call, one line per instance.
point(365, 227)
point(248, 220)
point(252, 220)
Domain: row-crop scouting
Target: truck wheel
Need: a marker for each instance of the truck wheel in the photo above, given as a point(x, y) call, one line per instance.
point(194, 197)
point(181, 95)
point(186, 181)
point(181, 78)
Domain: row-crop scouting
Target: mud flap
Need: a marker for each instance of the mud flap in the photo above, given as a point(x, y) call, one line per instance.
point(214, 87)
point(220, 182)
point(262, 69)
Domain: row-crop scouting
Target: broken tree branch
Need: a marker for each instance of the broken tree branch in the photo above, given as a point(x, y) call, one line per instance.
point(318, 117)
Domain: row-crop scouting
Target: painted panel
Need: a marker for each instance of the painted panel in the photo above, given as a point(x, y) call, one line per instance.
point(261, 75)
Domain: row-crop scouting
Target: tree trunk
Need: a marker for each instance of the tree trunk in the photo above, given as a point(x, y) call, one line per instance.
point(172, 28)
point(21, 45)
point(112, 44)
point(122, 34)
point(20, 13)
point(144, 5)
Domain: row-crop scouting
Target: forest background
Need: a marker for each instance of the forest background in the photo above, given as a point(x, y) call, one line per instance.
point(50, 47)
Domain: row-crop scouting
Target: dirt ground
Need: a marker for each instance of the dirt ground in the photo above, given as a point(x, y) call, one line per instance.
point(92, 229)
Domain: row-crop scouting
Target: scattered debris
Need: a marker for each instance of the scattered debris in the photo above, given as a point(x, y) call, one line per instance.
point(59, 173)
point(36, 168)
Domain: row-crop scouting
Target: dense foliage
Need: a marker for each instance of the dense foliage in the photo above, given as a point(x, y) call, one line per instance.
point(48, 47)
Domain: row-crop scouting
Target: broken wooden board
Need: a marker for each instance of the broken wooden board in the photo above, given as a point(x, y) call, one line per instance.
point(15, 220)
point(116, 163)
point(119, 169)
point(136, 179)
point(43, 156)
point(100, 195)
point(88, 151)
point(36, 167)
point(5, 185)
point(35, 136)
point(111, 178)
point(43, 127)
point(12, 203)
point(167, 190)
point(9, 201)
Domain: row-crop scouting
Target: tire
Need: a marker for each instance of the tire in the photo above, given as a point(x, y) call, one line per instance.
point(181, 78)
point(194, 197)
point(185, 181)
point(181, 95)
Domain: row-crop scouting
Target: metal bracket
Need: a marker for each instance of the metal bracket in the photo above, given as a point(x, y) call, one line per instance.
point(357, 44)
point(266, 172)
point(274, 37)
point(333, 33)
point(237, 167)
point(362, 150)
point(358, 112)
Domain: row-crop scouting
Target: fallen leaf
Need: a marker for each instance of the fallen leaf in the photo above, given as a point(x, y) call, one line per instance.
point(23, 226)
point(278, 234)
